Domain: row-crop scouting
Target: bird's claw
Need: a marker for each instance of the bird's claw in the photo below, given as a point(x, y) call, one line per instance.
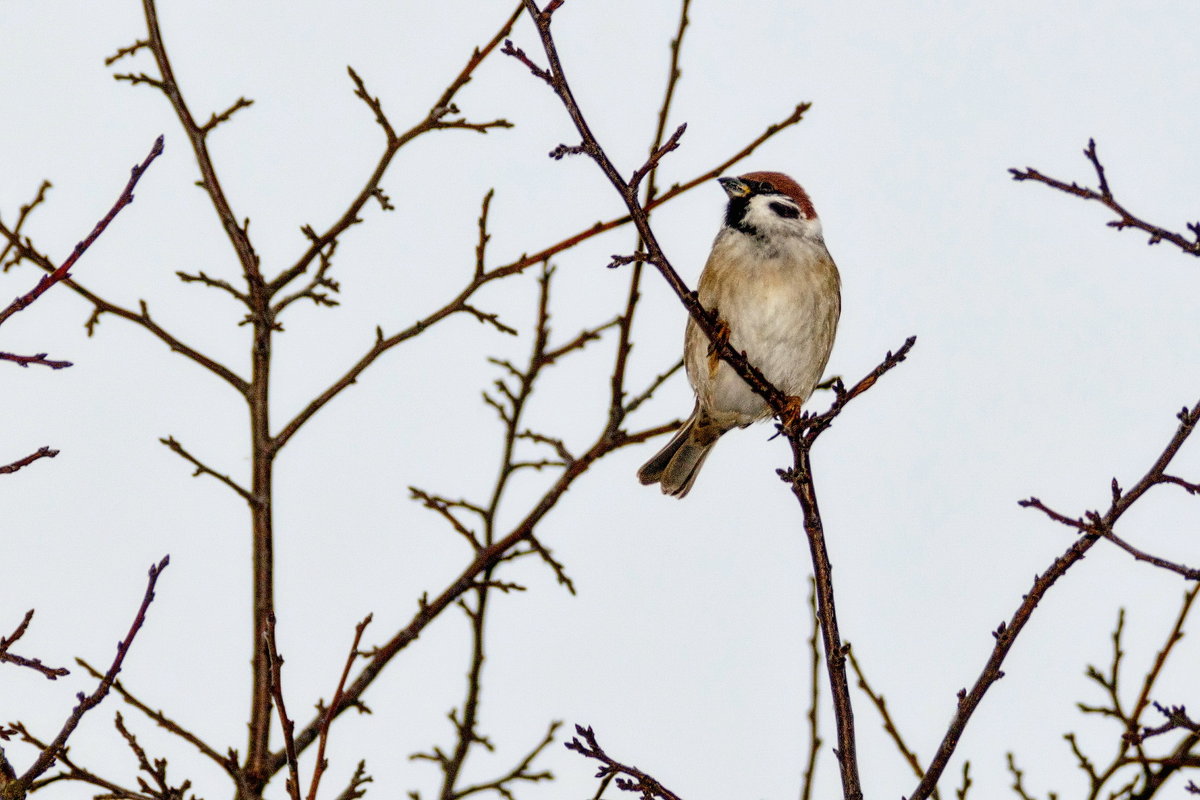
point(791, 415)
point(719, 338)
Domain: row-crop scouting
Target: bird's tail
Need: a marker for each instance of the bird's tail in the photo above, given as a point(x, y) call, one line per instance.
point(675, 466)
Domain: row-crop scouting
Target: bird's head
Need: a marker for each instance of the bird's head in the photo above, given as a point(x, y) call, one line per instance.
point(769, 204)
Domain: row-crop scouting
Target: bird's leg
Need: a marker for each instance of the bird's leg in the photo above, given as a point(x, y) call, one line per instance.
point(719, 338)
point(791, 415)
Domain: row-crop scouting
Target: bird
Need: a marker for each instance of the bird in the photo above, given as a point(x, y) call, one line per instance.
point(777, 294)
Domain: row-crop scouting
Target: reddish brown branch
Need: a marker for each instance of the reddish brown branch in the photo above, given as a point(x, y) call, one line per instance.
point(197, 135)
point(1007, 633)
point(42, 452)
point(25, 250)
point(429, 609)
point(321, 765)
point(800, 476)
point(23, 215)
point(289, 742)
point(53, 673)
point(1133, 734)
point(203, 469)
point(810, 426)
point(54, 749)
point(1098, 525)
point(40, 358)
point(227, 763)
point(1104, 196)
point(433, 120)
point(889, 725)
point(802, 433)
point(63, 269)
point(627, 778)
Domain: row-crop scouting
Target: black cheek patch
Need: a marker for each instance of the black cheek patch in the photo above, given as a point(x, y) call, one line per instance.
point(785, 211)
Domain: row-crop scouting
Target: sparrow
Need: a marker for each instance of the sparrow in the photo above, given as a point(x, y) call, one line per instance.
point(777, 293)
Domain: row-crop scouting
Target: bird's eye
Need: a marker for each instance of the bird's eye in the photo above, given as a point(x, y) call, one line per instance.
point(766, 187)
point(785, 211)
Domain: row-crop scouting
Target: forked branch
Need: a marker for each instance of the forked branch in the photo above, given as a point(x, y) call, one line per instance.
point(1104, 196)
point(55, 748)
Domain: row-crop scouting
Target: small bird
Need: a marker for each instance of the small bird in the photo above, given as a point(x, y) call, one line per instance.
point(777, 292)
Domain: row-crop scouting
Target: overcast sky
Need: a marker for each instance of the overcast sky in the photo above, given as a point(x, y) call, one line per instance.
point(1053, 354)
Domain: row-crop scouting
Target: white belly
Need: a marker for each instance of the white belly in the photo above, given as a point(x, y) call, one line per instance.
point(782, 310)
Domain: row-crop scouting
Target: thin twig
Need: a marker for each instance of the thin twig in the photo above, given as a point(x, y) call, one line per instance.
point(51, 673)
point(611, 769)
point(433, 120)
point(321, 765)
point(63, 270)
point(42, 452)
point(289, 743)
point(54, 749)
point(1006, 635)
point(40, 359)
point(226, 763)
point(1104, 195)
point(889, 725)
point(814, 696)
point(202, 469)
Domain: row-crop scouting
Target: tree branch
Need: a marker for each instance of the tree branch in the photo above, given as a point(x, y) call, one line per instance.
point(612, 770)
point(433, 120)
point(1104, 196)
point(42, 452)
point(52, 673)
point(51, 752)
point(202, 469)
point(63, 270)
point(1008, 631)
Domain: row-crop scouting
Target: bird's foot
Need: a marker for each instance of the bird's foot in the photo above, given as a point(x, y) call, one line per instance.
point(791, 415)
point(720, 338)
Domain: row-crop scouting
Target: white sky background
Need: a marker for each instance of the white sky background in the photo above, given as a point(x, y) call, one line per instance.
point(1052, 355)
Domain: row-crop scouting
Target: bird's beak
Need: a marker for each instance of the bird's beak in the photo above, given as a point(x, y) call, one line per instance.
point(734, 187)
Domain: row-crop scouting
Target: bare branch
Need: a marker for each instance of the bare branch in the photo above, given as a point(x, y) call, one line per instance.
point(52, 673)
point(889, 724)
point(969, 701)
point(433, 120)
point(217, 119)
point(611, 769)
point(289, 742)
point(226, 763)
point(125, 51)
point(40, 359)
point(42, 452)
point(442, 507)
point(1125, 218)
point(203, 469)
point(321, 765)
point(235, 229)
point(521, 772)
point(214, 283)
point(24, 250)
point(354, 789)
point(1098, 525)
point(55, 748)
point(22, 216)
point(63, 270)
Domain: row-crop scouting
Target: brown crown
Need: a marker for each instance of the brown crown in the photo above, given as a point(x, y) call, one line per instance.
point(787, 186)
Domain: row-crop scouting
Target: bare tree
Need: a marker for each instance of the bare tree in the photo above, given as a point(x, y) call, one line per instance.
point(265, 294)
point(801, 430)
point(502, 527)
point(14, 784)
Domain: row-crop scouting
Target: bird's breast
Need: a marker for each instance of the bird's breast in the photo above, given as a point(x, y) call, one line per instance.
point(781, 305)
